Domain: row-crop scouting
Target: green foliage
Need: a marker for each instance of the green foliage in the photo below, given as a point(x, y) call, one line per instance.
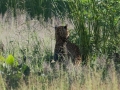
point(12, 71)
point(2, 59)
point(36, 8)
point(96, 25)
point(10, 60)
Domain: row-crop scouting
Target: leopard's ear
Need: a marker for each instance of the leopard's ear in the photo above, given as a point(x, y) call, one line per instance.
point(56, 27)
point(65, 26)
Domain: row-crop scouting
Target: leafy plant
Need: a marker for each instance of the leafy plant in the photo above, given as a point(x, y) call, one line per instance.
point(13, 71)
point(10, 60)
point(96, 25)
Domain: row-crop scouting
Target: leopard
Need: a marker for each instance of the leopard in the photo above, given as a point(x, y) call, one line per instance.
point(64, 49)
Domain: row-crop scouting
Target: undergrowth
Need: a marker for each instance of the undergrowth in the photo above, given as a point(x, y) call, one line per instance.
point(30, 42)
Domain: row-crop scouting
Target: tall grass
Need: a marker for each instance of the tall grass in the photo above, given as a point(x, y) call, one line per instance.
point(34, 40)
point(94, 27)
point(96, 21)
point(36, 8)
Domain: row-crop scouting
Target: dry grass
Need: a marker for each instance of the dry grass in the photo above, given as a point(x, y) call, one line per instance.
point(84, 78)
point(15, 36)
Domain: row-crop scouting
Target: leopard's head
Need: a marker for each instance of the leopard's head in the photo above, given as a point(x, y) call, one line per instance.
point(61, 32)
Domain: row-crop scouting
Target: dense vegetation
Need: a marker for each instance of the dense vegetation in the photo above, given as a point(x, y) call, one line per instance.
point(27, 52)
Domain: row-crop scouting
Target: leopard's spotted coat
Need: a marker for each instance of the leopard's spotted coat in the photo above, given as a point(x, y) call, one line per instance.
point(64, 49)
